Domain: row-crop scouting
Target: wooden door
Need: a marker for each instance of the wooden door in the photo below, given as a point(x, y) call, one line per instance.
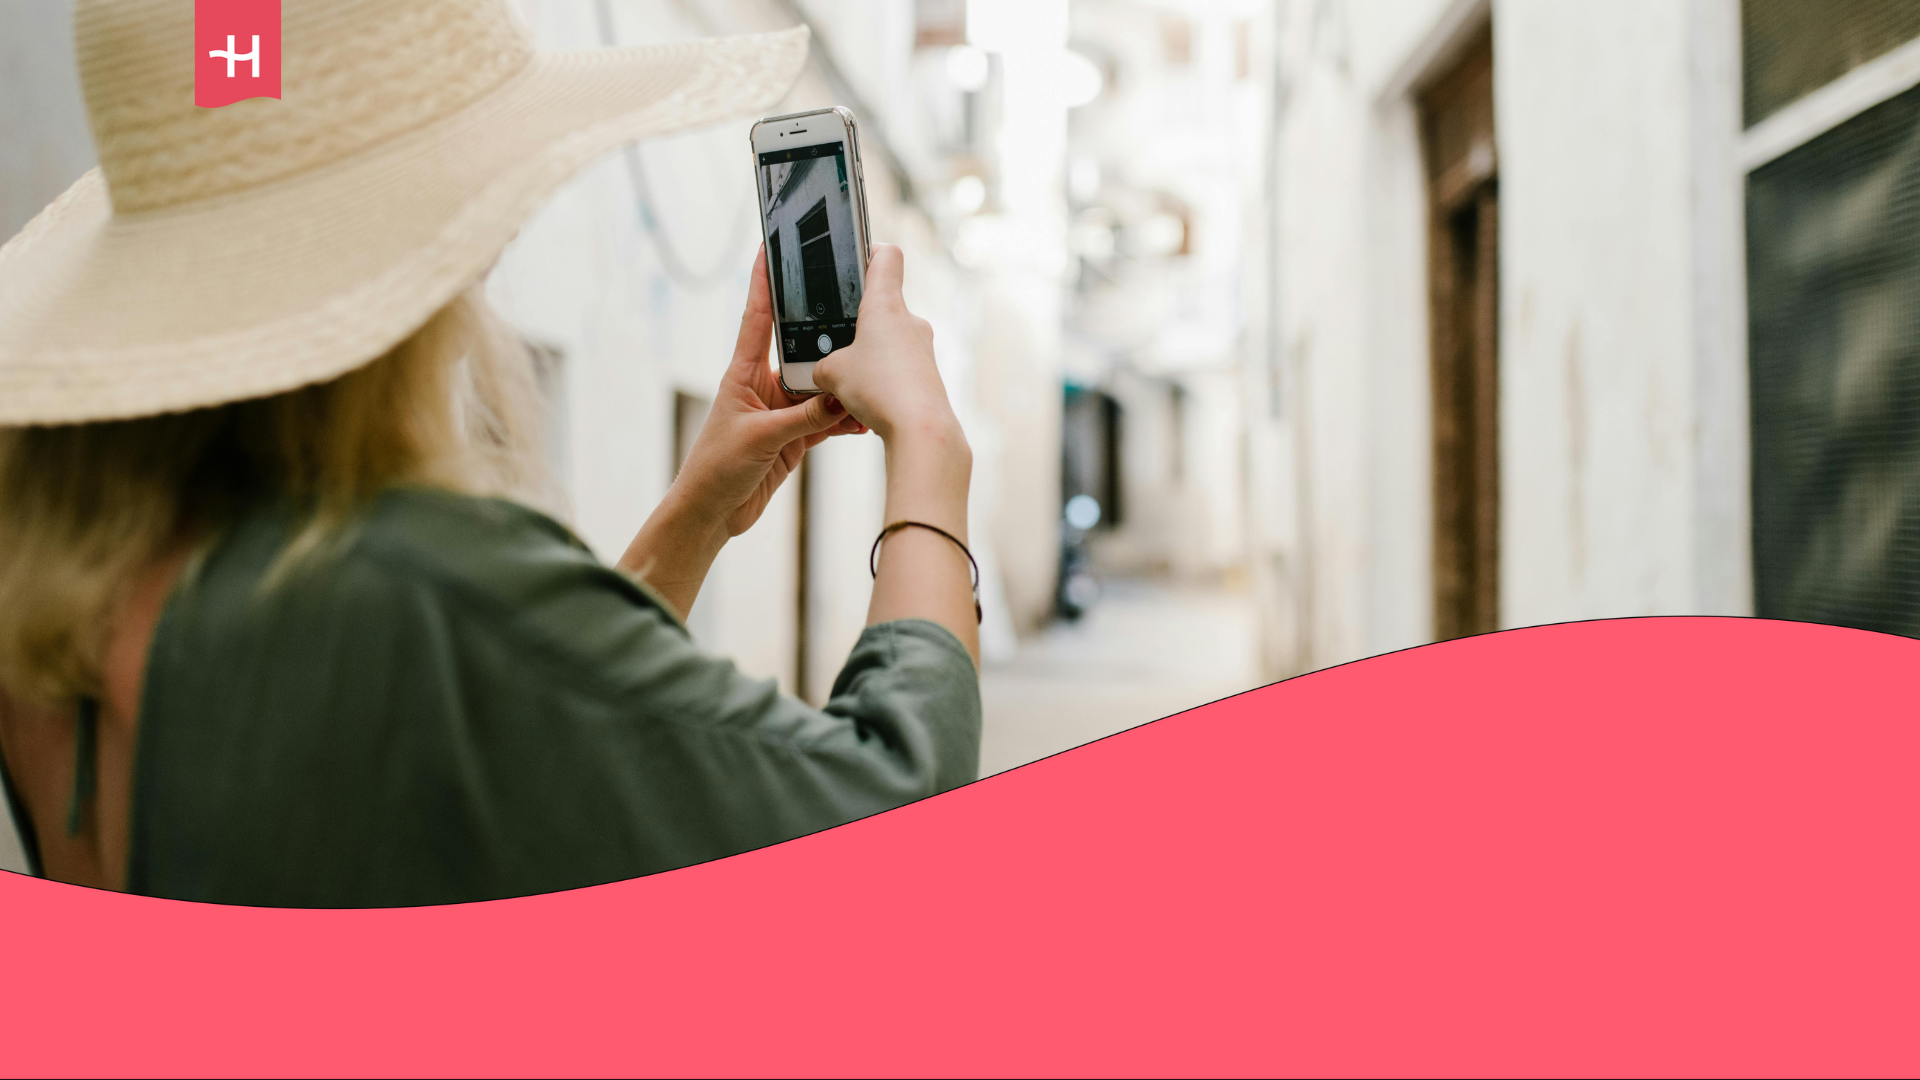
point(1463, 244)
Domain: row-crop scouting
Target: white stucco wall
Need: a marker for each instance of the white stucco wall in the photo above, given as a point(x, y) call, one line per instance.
point(1594, 356)
point(1622, 354)
point(43, 122)
point(1342, 495)
point(45, 145)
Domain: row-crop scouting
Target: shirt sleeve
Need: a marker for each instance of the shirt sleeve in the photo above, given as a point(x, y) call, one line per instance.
point(691, 758)
point(472, 707)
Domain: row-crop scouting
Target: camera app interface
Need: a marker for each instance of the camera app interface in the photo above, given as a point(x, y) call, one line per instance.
point(813, 258)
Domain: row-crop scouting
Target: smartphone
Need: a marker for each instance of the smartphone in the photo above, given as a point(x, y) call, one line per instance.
point(813, 213)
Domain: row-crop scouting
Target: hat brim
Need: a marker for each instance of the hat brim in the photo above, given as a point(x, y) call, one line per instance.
point(106, 316)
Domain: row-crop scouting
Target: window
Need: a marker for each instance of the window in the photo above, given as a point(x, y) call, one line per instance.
point(1792, 47)
point(1176, 40)
point(1833, 281)
point(821, 275)
point(1833, 312)
point(689, 414)
point(939, 22)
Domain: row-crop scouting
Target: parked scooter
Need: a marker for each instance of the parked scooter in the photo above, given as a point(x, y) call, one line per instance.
point(1079, 589)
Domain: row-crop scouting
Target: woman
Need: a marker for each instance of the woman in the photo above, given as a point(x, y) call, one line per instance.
point(276, 623)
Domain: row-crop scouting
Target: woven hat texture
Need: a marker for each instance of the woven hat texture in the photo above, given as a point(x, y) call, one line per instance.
point(223, 254)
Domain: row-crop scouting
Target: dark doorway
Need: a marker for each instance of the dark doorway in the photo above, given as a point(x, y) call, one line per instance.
point(822, 277)
point(1464, 283)
point(1090, 451)
point(1090, 492)
point(777, 272)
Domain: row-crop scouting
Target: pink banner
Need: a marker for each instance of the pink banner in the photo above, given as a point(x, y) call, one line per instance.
point(236, 51)
point(1651, 847)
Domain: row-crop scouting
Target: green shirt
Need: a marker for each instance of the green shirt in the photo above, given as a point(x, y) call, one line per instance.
point(464, 705)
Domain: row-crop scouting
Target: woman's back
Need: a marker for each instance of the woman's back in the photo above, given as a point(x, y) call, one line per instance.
point(462, 704)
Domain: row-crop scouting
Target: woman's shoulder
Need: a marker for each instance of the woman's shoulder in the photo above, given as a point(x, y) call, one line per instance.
point(492, 552)
point(463, 539)
point(478, 564)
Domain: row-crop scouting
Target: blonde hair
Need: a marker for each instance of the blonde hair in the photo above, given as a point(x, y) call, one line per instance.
point(84, 508)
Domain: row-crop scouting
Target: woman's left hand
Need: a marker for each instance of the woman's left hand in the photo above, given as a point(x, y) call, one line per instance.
point(753, 439)
point(756, 432)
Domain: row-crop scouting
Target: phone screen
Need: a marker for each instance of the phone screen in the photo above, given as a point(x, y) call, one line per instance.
point(813, 253)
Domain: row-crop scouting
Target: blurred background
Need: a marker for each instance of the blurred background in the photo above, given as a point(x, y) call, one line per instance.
point(1286, 332)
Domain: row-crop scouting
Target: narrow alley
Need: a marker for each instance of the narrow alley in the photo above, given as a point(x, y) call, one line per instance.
point(1148, 649)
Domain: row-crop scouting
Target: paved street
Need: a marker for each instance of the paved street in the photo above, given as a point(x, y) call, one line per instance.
point(1148, 649)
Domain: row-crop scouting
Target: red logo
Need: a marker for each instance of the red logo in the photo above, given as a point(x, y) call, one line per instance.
point(236, 51)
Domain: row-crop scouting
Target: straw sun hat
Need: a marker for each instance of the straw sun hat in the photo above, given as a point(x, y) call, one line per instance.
point(223, 254)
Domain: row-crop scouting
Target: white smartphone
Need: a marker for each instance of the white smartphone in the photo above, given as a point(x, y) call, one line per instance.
point(813, 213)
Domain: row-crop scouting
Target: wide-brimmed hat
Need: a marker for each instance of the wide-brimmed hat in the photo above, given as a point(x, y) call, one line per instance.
point(230, 253)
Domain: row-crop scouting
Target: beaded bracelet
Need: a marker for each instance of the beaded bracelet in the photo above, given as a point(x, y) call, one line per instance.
point(873, 557)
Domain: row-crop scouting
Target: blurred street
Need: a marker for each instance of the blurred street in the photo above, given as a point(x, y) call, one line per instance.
point(1148, 649)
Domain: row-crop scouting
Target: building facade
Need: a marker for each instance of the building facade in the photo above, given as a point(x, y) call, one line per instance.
point(1541, 344)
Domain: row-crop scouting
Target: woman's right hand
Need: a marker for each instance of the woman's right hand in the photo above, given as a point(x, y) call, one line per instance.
point(888, 381)
point(887, 378)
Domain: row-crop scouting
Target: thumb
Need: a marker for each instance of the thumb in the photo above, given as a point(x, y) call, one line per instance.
point(817, 414)
point(756, 322)
point(884, 273)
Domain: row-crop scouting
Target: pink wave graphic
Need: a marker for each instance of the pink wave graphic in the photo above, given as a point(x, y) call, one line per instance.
point(1638, 847)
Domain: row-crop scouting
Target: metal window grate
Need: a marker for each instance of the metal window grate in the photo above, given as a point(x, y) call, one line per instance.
point(1793, 47)
point(1833, 277)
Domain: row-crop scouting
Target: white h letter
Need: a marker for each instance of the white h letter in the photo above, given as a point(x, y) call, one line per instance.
point(242, 57)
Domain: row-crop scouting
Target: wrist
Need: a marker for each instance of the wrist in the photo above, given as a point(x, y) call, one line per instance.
point(935, 454)
point(929, 470)
point(685, 514)
point(679, 534)
point(933, 430)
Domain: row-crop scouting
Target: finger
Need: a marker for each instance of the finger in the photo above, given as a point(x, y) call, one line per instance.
point(782, 426)
point(756, 323)
point(885, 271)
point(826, 373)
point(847, 426)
